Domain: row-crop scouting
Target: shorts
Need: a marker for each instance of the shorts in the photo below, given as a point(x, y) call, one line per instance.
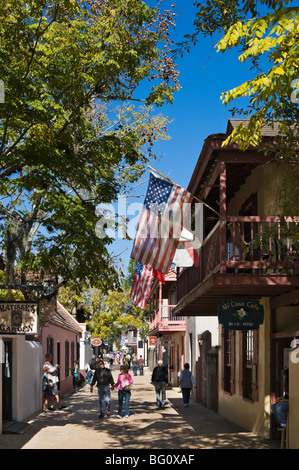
point(55, 390)
point(47, 394)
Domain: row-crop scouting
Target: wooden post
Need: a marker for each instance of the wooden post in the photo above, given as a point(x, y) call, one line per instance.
point(222, 238)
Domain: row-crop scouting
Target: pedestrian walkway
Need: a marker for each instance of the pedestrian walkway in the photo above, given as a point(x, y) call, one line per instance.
point(149, 427)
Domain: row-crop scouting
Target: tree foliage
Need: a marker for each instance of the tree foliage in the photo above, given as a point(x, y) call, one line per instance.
point(75, 128)
point(264, 30)
point(116, 314)
point(266, 33)
point(108, 313)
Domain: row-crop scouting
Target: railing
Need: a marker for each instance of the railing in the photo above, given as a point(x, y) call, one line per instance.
point(262, 243)
point(258, 244)
point(166, 319)
point(131, 339)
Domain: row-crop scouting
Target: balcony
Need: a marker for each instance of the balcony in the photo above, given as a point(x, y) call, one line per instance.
point(163, 321)
point(131, 341)
point(242, 256)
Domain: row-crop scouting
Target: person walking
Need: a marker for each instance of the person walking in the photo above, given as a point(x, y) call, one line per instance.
point(124, 382)
point(186, 381)
point(160, 381)
point(93, 363)
point(75, 373)
point(135, 365)
point(128, 361)
point(46, 389)
point(53, 376)
point(88, 373)
point(141, 365)
point(104, 380)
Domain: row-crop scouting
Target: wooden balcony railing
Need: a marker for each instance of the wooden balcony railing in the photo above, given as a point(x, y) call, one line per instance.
point(163, 318)
point(245, 244)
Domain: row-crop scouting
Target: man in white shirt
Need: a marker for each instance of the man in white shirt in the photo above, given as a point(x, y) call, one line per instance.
point(53, 377)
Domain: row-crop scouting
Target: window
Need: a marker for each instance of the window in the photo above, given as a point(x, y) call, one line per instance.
point(78, 350)
point(58, 362)
point(228, 361)
point(248, 361)
point(72, 353)
point(50, 346)
point(248, 364)
point(67, 359)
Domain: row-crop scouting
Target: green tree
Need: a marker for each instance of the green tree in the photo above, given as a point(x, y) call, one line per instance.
point(71, 136)
point(266, 33)
point(271, 36)
point(115, 314)
point(108, 313)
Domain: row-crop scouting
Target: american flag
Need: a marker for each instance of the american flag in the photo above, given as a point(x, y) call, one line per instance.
point(142, 283)
point(161, 223)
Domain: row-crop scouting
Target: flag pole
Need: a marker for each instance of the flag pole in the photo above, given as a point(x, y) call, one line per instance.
point(165, 177)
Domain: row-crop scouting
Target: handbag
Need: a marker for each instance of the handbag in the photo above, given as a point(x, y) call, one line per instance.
point(127, 387)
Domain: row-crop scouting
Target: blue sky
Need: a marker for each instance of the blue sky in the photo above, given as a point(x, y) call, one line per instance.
point(197, 110)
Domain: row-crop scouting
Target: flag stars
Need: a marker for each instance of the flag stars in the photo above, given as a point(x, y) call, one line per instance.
point(157, 194)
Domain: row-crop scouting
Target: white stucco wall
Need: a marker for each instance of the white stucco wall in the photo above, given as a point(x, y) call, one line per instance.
point(27, 388)
point(26, 378)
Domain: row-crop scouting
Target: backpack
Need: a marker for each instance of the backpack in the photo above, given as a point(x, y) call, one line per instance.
point(160, 374)
point(93, 364)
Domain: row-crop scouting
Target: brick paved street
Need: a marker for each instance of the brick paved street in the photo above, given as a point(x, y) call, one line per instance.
point(149, 427)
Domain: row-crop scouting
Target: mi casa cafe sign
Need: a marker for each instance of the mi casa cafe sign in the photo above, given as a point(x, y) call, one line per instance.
point(241, 314)
point(19, 318)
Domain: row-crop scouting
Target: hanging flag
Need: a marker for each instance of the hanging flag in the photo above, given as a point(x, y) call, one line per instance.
point(187, 254)
point(161, 223)
point(142, 283)
point(182, 257)
point(193, 253)
point(158, 275)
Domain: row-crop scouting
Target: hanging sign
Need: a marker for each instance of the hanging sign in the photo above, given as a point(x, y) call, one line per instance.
point(96, 341)
point(152, 340)
point(19, 318)
point(241, 314)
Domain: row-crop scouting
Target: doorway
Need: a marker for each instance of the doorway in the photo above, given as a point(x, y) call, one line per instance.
point(7, 381)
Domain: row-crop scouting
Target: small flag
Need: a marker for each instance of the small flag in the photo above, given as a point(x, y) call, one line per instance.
point(186, 255)
point(193, 253)
point(158, 275)
point(142, 283)
point(161, 223)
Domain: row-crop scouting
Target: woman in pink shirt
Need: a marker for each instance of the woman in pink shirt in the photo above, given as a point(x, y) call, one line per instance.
point(124, 380)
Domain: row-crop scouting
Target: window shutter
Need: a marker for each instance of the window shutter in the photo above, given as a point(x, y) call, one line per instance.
point(241, 362)
point(222, 358)
point(233, 339)
point(255, 367)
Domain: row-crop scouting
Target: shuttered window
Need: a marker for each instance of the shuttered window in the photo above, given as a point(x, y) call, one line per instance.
point(67, 359)
point(228, 361)
point(248, 364)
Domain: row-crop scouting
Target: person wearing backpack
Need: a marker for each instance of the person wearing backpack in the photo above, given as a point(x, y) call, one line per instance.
point(160, 381)
point(93, 363)
point(186, 381)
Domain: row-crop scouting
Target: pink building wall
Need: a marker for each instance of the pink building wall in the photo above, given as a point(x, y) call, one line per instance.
point(61, 336)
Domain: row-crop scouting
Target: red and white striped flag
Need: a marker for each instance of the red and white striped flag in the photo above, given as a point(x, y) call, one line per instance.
point(161, 223)
point(142, 283)
point(186, 255)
